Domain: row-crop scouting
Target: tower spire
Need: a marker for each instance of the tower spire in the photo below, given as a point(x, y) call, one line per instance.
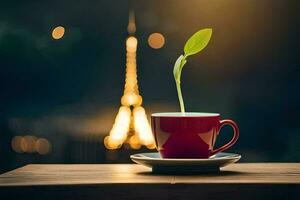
point(131, 28)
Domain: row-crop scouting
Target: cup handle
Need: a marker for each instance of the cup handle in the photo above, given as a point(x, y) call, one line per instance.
point(236, 134)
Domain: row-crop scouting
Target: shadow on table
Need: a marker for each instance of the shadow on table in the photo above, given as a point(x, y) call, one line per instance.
point(198, 173)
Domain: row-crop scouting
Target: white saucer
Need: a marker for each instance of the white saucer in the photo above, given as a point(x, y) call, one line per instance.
point(171, 165)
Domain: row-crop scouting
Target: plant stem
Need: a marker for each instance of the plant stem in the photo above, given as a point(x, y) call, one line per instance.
point(180, 96)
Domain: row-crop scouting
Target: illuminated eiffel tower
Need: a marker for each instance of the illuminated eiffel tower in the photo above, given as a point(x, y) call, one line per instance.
point(131, 124)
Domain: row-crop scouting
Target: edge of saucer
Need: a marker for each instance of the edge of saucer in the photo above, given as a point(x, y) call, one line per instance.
point(227, 157)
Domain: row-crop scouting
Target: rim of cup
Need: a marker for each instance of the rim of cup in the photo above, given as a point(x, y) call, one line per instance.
point(186, 114)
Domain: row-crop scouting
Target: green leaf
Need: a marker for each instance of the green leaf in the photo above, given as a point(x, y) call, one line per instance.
point(197, 42)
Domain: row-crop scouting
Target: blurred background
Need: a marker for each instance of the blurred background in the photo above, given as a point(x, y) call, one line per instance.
point(60, 88)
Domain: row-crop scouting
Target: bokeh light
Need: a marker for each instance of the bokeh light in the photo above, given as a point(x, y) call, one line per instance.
point(130, 126)
point(23, 144)
point(43, 146)
point(134, 142)
point(58, 32)
point(156, 40)
point(119, 131)
point(30, 144)
point(131, 45)
point(16, 144)
point(142, 127)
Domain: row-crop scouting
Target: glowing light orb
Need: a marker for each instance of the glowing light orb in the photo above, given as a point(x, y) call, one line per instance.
point(131, 44)
point(16, 144)
point(156, 40)
point(43, 146)
point(58, 32)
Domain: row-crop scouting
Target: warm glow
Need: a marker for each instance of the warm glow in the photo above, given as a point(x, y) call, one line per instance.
point(142, 127)
point(30, 144)
point(43, 146)
point(23, 144)
point(134, 142)
point(156, 40)
point(16, 144)
point(118, 133)
point(58, 32)
point(130, 126)
point(131, 99)
point(131, 45)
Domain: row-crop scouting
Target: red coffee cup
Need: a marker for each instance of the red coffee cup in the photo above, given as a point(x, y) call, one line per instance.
point(189, 135)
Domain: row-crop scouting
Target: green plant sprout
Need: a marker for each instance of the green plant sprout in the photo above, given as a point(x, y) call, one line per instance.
point(196, 43)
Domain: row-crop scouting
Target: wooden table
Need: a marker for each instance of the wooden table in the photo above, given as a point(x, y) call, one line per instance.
point(129, 181)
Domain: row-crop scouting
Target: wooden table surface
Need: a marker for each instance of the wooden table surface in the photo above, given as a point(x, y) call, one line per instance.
point(130, 181)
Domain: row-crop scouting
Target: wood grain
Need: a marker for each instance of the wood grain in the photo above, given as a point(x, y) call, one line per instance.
point(260, 173)
point(130, 181)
